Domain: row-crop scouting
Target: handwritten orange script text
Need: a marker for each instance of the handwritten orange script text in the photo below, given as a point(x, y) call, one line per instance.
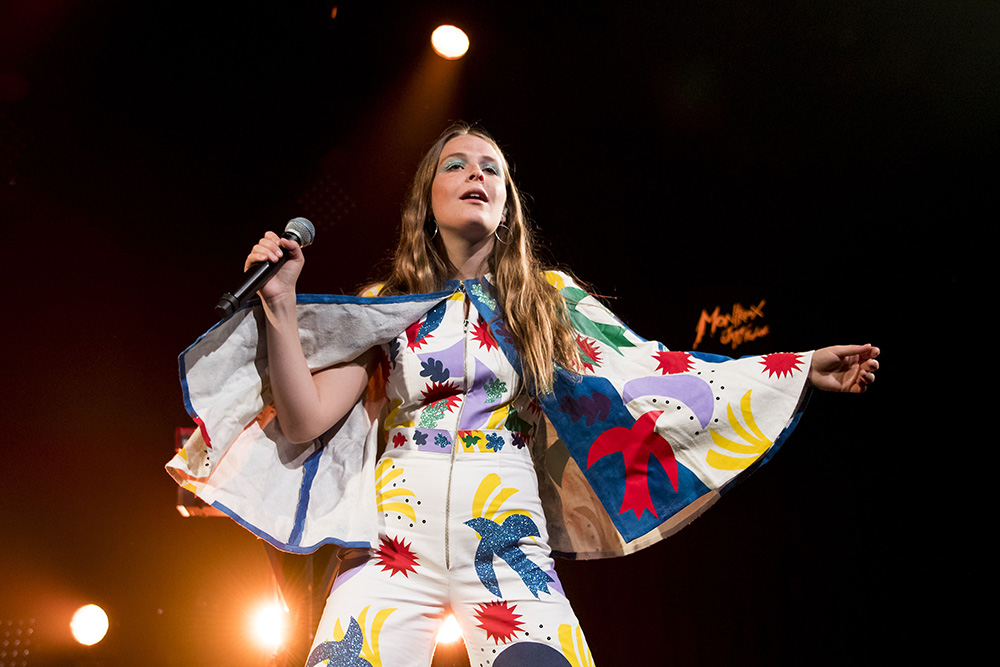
point(734, 328)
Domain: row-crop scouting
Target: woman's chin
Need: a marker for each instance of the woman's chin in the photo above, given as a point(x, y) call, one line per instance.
point(474, 233)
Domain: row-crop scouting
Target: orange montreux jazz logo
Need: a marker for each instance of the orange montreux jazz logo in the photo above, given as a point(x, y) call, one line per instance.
point(734, 328)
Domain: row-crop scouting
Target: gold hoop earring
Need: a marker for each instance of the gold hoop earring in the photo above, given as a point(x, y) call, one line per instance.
point(435, 232)
point(496, 234)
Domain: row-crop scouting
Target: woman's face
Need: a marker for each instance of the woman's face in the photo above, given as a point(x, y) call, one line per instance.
point(468, 195)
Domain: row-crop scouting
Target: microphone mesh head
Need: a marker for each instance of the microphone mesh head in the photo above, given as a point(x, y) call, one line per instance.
point(302, 228)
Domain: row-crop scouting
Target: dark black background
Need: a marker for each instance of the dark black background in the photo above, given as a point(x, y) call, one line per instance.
point(834, 159)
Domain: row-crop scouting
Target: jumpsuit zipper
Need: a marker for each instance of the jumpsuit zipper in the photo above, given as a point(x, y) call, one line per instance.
point(455, 442)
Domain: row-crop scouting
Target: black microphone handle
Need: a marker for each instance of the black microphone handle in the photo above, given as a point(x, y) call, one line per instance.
point(255, 277)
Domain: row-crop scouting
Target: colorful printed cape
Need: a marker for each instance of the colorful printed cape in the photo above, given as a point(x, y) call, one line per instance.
point(635, 448)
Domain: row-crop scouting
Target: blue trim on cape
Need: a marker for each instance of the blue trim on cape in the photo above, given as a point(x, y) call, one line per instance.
point(345, 298)
point(309, 470)
point(285, 546)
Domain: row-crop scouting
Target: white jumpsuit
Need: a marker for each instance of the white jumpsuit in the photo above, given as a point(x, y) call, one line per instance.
point(461, 525)
point(648, 439)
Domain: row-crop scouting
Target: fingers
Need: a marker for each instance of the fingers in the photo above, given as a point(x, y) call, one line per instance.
point(269, 249)
point(855, 364)
point(864, 355)
point(869, 364)
point(844, 351)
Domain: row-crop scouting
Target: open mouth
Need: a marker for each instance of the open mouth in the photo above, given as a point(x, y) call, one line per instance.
point(477, 195)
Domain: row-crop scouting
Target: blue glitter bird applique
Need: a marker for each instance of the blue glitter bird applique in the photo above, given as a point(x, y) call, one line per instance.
point(501, 540)
point(345, 653)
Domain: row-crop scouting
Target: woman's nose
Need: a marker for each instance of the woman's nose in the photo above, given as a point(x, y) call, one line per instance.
point(476, 174)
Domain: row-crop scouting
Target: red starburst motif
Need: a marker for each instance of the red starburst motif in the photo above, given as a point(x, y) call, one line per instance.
point(395, 556)
point(398, 440)
point(499, 621)
point(481, 333)
point(441, 391)
point(781, 363)
point(590, 354)
point(670, 363)
point(411, 336)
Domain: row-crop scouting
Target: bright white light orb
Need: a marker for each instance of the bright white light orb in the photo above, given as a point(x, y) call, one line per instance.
point(449, 42)
point(450, 631)
point(89, 624)
point(269, 626)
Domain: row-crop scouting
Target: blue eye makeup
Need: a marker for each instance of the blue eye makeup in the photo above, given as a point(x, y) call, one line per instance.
point(453, 163)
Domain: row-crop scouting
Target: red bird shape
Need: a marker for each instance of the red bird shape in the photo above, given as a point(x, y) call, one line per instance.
point(636, 445)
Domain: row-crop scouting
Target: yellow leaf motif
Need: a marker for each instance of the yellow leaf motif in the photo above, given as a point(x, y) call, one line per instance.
point(373, 290)
point(390, 418)
point(574, 646)
point(746, 454)
point(498, 417)
point(555, 279)
point(384, 497)
point(486, 488)
point(369, 649)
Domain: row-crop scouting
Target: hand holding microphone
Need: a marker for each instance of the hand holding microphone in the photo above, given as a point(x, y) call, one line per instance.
point(273, 255)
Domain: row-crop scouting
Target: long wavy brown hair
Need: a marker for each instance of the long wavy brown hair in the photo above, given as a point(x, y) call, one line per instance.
point(533, 311)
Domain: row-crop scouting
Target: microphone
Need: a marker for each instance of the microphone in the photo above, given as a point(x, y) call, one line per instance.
point(299, 230)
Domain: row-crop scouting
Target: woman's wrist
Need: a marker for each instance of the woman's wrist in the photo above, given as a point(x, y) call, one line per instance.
point(280, 309)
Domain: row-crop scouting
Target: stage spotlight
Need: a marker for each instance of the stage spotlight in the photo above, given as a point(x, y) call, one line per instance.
point(449, 42)
point(89, 624)
point(270, 626)
point(450, 631)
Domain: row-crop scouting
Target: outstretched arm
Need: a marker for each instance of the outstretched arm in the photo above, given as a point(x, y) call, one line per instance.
point(847, 368)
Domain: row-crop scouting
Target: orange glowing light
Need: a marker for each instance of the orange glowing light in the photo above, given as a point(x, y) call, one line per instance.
point(89, 624)
point(270, 626)
point(449, 42)
point(449, 632)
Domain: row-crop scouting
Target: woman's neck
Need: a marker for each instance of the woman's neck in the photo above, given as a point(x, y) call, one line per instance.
point(469, 260)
